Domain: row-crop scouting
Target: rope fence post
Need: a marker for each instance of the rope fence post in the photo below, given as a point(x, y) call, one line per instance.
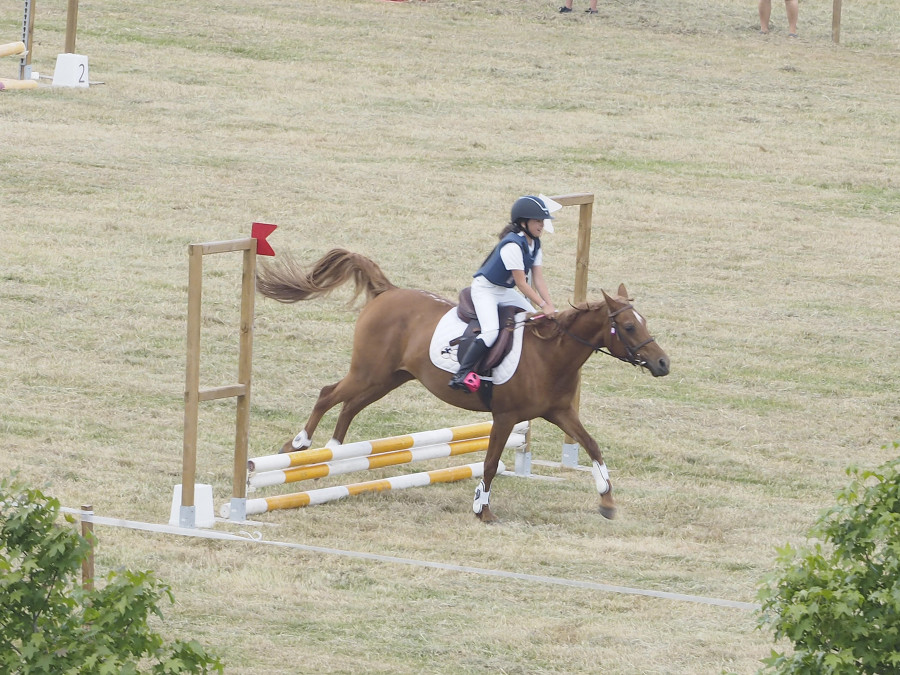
point(87, 531)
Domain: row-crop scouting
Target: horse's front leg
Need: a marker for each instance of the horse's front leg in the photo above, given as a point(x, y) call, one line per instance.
point(500, 432)
point(569, 422)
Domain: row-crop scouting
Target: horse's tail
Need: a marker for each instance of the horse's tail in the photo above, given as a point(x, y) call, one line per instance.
point(288, 282)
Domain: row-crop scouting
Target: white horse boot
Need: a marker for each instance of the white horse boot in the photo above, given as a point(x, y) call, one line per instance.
point(601, 477)
point(482, 498)
point(301, 441)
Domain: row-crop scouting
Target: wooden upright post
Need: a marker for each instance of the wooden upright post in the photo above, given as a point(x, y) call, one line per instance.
point(836, 22)
point(28, 39)
point(585, 202)
point(187, 517)
point(192, 392)
point(245, 357)
point(87, 565)
point(71, 25)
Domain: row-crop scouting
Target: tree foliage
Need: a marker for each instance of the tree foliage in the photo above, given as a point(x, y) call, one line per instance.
point(50, 624)
point(838, 599)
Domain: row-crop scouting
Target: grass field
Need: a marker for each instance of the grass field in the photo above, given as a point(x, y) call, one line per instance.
point(746, 192)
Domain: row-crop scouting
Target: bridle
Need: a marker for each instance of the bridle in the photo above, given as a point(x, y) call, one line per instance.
point(631, 352)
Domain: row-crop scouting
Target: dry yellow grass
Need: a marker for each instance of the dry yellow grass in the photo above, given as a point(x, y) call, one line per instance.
point(746, 194)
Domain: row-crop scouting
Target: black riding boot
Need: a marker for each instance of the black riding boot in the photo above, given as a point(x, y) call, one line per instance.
point(467, 365)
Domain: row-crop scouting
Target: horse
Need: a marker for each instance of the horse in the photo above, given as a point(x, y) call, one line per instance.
point(391, 347)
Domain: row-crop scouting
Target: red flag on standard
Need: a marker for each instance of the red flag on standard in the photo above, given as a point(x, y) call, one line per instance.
point(260, 231)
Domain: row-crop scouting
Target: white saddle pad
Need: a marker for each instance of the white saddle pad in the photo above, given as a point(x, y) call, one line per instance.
point(451, 327)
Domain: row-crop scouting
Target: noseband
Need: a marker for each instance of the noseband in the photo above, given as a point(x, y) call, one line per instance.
point(632, 352)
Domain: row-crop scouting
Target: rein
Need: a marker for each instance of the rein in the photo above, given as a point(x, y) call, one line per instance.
point(632, 356)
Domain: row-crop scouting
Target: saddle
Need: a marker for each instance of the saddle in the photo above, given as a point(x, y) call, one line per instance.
point(466, 313)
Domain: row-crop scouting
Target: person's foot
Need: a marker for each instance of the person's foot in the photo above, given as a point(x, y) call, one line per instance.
point(564, 10)
point(792, 35)
point(590, 11)
point(467, 382)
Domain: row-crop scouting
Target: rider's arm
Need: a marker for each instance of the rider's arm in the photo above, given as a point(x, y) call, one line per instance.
point(540, 284)
point(540, 297)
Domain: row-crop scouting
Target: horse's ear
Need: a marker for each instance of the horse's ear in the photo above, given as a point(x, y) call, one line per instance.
point(611, 303)
point(623, 293)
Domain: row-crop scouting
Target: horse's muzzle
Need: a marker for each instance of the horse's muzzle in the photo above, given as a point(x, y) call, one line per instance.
point(658, 367)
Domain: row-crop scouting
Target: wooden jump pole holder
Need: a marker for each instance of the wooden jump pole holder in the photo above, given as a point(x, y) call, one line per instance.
point(28, 39)
point(836, 22)
point(71, 26)
point(25, 73)
point(192, 392)
point(585, 203)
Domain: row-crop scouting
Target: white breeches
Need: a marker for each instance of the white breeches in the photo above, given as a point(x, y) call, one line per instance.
point(486, 300)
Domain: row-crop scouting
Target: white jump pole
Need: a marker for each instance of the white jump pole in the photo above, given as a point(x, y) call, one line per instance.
point(338, 467)
point(363, 448)
point(12, 48)
point(323, 495)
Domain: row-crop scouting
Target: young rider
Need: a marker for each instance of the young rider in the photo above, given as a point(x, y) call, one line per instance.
point(507, 268)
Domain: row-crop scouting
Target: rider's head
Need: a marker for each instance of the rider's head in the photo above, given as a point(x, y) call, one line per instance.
point(530, 208)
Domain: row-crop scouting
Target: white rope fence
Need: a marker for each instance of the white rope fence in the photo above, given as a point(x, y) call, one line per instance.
point(256, 538)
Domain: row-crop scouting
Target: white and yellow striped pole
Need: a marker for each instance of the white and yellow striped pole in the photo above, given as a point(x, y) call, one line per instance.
point(12, 48)
point(382, 445)
point(323, 495)
point(6, 83)
point(341, 466)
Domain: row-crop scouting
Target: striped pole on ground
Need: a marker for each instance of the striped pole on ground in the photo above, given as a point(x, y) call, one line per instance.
point(323, 495)
point(6, 83)
point(382, 445)
point(337, 467)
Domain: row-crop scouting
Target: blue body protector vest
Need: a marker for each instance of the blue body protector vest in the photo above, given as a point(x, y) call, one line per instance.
point(493, 268)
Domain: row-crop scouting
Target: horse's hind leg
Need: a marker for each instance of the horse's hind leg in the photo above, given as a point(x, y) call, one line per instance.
point(568, 421)
point(326, 401)
point(354, 404)
point(354, 395)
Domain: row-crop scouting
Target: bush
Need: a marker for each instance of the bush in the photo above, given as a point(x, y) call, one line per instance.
point(49, 624)
point(838, 599)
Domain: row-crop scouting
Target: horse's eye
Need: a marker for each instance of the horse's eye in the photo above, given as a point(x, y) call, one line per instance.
point(629, 328)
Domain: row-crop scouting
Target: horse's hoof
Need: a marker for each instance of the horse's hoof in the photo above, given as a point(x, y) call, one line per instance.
point(608, 512)
point(287, 447)
point(487, 516)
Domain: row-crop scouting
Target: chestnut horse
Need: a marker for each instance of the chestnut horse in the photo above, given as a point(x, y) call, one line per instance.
point(391, 346)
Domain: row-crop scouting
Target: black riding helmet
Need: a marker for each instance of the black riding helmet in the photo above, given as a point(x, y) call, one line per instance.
point(531, 208)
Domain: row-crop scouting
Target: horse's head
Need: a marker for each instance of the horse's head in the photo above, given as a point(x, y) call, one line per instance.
point(629, 339)
point(613, 327)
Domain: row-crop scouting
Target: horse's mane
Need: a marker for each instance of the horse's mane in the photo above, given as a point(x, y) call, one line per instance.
point(548, 328)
